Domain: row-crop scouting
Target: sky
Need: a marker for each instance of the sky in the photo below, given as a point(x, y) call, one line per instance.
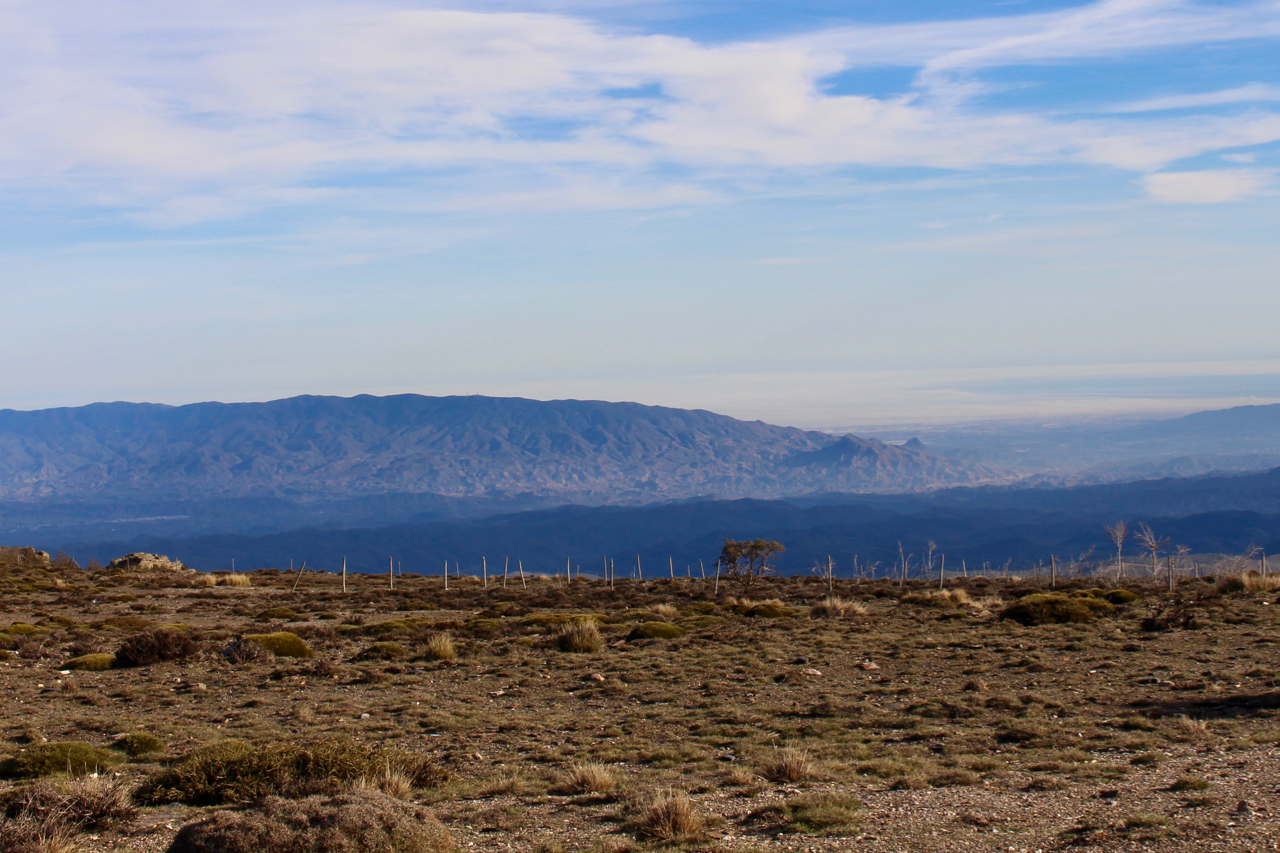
point(810, 212)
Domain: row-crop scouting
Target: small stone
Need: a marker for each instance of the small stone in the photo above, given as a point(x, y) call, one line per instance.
point(595, 676)
point(1133, 647)
point(365, 715)
point(812, 672)
point(869, 666)
point(1243, 807)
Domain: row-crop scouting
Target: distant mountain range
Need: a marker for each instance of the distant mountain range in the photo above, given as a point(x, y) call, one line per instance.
point(1243, 438)
point(312, 448)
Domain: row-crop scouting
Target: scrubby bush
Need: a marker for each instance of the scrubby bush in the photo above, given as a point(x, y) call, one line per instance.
point(88, 802)
point(656, 631)
point(1249, 581)
point(91, 662)
point(278, 613)
point(282, 644)
point(238, 772)
point(75, 758)
point(356, 822)
point(580, 636)
point(159, 644)
point(1122, 597)
point(1053, 608)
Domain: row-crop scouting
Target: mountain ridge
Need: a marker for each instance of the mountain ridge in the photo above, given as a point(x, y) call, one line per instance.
point(456, 446)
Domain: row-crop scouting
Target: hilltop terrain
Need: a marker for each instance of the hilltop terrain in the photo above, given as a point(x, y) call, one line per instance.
point(588, 717)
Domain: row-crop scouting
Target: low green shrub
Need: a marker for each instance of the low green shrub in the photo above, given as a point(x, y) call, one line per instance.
point(278, 613)
point(138, 744)
point(91, 662)
point(656, 631)
point(1055, 608)
point(75, 758)
point(548, 620)
point(1122, 596)
point(282, 644)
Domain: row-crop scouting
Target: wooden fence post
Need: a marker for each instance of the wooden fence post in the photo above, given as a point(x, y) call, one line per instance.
point(344, 574)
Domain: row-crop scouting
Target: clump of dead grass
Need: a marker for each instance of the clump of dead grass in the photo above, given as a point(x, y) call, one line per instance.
point(1250, 581)
point(835, 607)
point(440, 646)
point(788, 766)
point(588, 779)
point(582, 635)
point(672, 817)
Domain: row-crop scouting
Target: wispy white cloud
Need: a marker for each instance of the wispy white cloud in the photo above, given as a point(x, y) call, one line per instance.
point(216, 110)
point(1253, 93)
point(1208, 186)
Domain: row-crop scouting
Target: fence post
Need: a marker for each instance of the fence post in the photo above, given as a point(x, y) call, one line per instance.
point(344, 574)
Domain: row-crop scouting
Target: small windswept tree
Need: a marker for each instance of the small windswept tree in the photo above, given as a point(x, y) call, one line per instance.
point(1153, 545)
point(1118, 533)
point(748, 559)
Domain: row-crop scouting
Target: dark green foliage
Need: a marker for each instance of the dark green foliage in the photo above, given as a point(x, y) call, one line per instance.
point(1122, 596)
point(278, 613)
point(92, 662)
point(748, 559)
point(72, 757)
point(656, 631)
point(365, 822)
point(234, 771)
point(1055, 608)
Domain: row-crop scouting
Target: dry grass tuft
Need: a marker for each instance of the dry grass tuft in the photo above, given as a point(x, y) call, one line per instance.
point(440, 647)
point(835, 607)
point(582, 635)
point(87, 802)
point(672, 817)
point(1249, 581)
point(786, 766)
point(589, 779)
point(666, 611)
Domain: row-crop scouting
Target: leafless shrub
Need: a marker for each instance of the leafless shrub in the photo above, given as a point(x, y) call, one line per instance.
point(160, 644)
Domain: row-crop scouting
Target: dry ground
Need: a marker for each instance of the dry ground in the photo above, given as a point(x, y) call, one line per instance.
point(914, 725)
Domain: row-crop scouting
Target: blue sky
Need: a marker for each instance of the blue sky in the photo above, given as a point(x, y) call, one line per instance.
point(817, 213)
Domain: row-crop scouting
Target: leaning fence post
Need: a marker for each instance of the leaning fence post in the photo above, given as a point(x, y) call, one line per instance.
point(446, 575)
point(391, 571)
point(520, 565)
point(717, 577)
point(506, 563)
point(299, 577)
point(344, 574)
